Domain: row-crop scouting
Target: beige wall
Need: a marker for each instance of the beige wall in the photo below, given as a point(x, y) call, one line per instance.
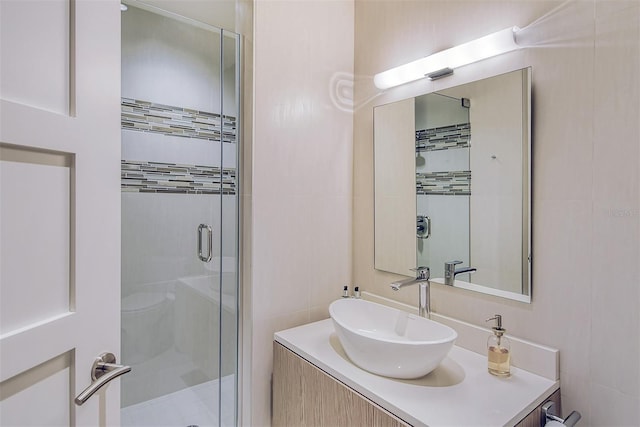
point(586, 214)
point(301, 167)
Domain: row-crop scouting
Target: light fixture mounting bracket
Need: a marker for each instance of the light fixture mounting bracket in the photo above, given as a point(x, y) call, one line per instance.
point(444, 72)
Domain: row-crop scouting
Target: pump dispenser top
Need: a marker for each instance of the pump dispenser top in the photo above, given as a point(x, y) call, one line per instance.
point(497, 329)
point(498, 349)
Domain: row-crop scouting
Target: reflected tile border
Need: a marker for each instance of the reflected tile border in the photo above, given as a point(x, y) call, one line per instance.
point(451, 183)
point(444, 138)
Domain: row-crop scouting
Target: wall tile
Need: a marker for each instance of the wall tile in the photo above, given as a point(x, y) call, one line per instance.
point(562, 153)
point(263, 360)
point(616, 203)
point(280, 234)
point(615, 319)
point(575, 392)
point(302, 173)
point(609, 407)
point(562, 290)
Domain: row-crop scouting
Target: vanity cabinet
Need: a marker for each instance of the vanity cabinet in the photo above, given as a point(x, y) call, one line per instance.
point(304, 395)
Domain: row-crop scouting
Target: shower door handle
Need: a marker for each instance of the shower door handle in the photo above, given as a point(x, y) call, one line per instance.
point(209, 242)
point(103, 371)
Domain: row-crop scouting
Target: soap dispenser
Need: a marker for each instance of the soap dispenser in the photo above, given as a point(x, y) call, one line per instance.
point(498, 349)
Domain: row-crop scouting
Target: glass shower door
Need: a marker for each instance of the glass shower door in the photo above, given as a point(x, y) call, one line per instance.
point(230, 238)
point(179, 220)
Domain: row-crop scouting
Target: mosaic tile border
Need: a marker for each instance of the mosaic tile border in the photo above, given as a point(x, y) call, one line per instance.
point(444, 138)
point(454, 183)
point(146, 116)
point(156, 177)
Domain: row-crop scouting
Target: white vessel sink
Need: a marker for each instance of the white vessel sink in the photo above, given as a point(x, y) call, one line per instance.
point(390, 342)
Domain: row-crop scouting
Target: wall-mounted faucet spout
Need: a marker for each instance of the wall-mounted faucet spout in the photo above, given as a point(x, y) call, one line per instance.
point(422, 279)
point(450, 271)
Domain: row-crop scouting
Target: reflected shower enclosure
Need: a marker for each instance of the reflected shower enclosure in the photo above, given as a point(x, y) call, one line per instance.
point(179, 178)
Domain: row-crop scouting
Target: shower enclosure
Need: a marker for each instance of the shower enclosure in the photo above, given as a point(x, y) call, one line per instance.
point(180, 103)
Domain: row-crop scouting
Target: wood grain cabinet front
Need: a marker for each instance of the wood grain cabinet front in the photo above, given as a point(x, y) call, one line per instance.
point(305, 396)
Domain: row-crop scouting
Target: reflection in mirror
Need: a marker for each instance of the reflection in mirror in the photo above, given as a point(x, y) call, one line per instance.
point(452, 182)
point(442, 180)
point(395, 187)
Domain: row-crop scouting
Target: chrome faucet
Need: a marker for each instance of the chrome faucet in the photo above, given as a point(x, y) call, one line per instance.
point(422, 279)
point(450, 271)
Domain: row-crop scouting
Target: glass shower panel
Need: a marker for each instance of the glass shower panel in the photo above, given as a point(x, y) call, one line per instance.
point(179, 222)
point(229, 266)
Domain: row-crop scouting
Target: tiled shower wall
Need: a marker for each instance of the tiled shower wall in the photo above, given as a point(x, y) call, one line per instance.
point(178, 148)
point(171, 183)
point(147, 176)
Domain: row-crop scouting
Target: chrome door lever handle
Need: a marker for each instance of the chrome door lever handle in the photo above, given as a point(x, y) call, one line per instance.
point(103, 370)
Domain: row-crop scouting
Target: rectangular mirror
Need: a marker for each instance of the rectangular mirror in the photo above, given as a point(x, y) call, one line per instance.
point(452, 183)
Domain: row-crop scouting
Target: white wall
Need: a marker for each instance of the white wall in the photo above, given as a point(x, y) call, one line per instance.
point(586, 201)
point(302, 157)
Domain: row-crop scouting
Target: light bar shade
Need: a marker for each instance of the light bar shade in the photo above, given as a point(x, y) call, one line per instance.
point(467, 53)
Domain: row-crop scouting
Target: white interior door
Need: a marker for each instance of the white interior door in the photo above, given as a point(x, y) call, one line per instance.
point(59, 208)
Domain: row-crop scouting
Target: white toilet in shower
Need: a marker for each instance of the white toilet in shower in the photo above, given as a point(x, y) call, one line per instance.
point(147, 324)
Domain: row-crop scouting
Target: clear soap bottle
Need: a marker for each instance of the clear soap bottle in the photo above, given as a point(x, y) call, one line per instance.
point(499, 350)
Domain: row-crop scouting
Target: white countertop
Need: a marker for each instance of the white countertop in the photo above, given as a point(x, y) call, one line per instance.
point(460, 392)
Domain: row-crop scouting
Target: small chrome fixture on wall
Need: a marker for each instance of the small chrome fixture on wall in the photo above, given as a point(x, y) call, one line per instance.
point(423, 227)
point(442, 64)
point(548, 416)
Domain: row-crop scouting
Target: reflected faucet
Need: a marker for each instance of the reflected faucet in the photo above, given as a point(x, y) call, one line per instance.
point(422, 279)
point(450, 271)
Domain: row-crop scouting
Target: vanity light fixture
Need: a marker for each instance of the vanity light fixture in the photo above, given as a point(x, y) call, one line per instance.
point(441, 64)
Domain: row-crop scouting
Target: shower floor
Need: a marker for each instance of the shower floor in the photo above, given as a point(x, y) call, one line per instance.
point(195, 405)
